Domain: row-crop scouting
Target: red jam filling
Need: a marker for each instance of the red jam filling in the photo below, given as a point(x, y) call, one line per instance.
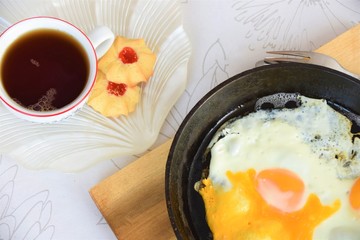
point(117, 89)
point(128, 55)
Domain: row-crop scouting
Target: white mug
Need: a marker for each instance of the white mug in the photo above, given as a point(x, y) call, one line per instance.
point(95, 44)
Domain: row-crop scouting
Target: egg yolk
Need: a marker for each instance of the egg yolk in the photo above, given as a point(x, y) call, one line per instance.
point(354, 196)
point(242, 213)
point(280, 188)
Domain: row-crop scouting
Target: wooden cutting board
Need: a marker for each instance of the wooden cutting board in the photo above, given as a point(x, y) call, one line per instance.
point(133, 200)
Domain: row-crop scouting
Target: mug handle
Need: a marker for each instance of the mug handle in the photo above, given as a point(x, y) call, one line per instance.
point(101, 38)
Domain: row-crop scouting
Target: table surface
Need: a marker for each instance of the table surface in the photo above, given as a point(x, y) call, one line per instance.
point(227, 37)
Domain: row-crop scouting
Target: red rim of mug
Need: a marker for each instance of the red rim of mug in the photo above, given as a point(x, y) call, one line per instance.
point(70, 106)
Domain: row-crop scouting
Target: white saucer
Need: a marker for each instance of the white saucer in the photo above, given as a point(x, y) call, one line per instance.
point(87, 137)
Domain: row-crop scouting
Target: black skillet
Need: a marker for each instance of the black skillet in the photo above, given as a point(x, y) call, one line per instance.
point(236, 97)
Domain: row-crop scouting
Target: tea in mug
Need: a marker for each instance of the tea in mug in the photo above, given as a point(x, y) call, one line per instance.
point(44, 69)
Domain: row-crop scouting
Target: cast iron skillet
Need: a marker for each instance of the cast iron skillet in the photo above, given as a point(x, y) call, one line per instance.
point(235, 97)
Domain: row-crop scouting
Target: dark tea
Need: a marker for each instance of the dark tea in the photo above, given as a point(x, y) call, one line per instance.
point(44, 69)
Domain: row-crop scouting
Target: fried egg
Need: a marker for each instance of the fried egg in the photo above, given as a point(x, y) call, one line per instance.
point(285, 174)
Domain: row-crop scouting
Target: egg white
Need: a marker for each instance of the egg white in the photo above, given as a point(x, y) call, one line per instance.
point(313, 140)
